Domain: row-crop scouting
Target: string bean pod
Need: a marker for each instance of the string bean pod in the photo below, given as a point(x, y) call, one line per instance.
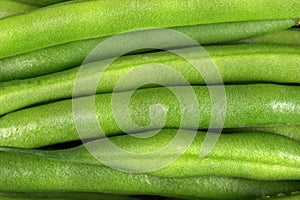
point(289, 130)
point(42, 2)
point(10, 195)
point(11, 7)
point(91, 19)
point(234, 156)
point(247, 105)
point(49, 60)
point(236, 64)
point(289, 36)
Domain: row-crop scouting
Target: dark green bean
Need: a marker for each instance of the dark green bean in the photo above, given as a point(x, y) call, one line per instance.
point(5, 195)
point(291, 196)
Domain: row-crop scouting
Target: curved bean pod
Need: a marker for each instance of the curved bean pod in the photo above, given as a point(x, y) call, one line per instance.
point(247, 105)
point(10, 195)
point(11, 7)
point(288, 130)
point(235, 155)
point(56, 171)
point(236, 64)
point(42, 2)
point(294, 196)
point(66, 56)
point(52, 25)
point(290, 36)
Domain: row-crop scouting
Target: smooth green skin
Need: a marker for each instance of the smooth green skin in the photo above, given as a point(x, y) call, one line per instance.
point(42, 2)
point(76, 170)
point(289, 36)
point(248, 63)
point(247, 105)
point(252, 155)
point(291, 131)
point(11, 7)
point(4, 195)
point(50, 59)
point(90, 19)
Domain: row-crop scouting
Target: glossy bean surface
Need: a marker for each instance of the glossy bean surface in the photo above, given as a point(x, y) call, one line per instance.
point(245, 63)
point(91, 19)
point(247, 105)
point(69, 55)
point(234, 155)
point(65, 170)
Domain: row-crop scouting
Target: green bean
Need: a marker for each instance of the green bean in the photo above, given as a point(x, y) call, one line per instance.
point(50, 59)
point(291, 196)
point(74, 21)
point(225, 158)
point(288, 197)
point(236, 64)
point(291, 131)
point(4, 195)
point(11, 7)
point(290, 36)
point(255, 105)
point(65, 170)
point(42, 2)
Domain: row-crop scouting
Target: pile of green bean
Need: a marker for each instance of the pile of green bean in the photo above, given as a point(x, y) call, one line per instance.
point(255, 47)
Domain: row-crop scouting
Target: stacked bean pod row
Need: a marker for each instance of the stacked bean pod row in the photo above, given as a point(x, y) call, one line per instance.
point(122, 99)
